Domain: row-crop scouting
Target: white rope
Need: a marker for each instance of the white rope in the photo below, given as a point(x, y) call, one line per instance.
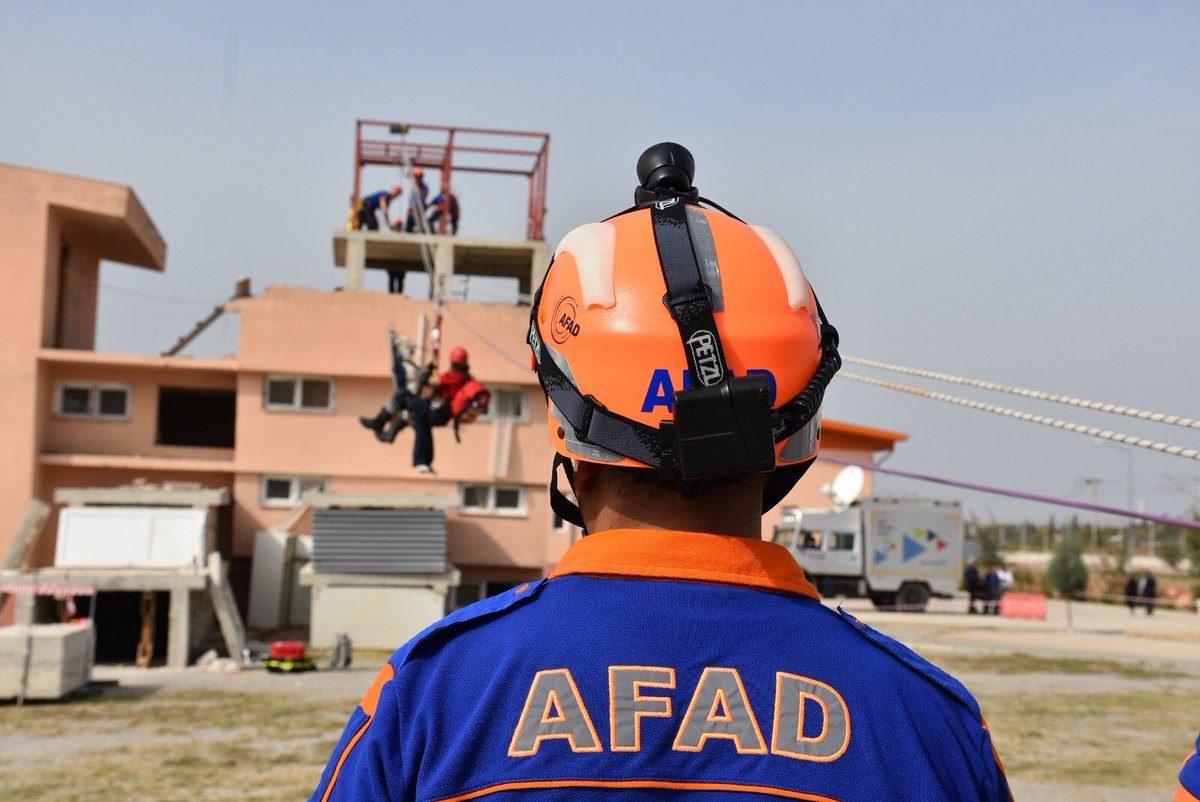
point(1078, 428)
point(1115, 409)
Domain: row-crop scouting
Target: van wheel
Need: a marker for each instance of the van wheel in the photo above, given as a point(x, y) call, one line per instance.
point(883, 601)
point(913, 597)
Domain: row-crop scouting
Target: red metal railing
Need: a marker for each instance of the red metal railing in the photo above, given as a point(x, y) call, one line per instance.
point(377, 142)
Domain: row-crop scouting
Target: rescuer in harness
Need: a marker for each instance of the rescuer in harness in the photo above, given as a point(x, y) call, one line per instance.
point(673, 653)
point(424, 404)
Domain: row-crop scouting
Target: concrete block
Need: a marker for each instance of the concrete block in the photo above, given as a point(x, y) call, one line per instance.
point(60, 659)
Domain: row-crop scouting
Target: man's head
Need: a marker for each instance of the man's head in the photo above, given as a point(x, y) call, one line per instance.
point(459, 359)
point(681, 342)
point(395, 191)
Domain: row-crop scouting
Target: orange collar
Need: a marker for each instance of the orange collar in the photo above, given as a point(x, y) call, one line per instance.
point(696, 556)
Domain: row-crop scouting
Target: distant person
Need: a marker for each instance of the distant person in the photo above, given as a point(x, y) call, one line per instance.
point(1131, 593)
point(445, 202)
point(991, 584)
point(372, 206)
point(396, 277)
point(972, 584)
point(424, 404)
point(1189, 778)
point(1148, 590)
point(416, 201)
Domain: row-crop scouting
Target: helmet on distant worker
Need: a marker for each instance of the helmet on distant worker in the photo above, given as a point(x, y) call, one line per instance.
point(395, 190)
point(678, 338)
point(458, 355)
point(418, 172)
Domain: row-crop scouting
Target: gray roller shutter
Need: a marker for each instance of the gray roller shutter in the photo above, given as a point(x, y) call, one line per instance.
point(379, 541)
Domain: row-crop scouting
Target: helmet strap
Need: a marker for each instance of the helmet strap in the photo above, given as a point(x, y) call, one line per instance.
point(563, 507)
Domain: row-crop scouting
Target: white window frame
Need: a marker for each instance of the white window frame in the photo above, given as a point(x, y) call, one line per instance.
point(562, 526)
point(295, 488)
point(490, 508)
point(93, 389)
point(297, 381)
point(491, 414)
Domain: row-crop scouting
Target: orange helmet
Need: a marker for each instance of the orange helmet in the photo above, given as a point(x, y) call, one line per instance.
point(679, 338)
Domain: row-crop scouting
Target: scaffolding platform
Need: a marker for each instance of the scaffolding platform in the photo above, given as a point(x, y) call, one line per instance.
point(360, 250)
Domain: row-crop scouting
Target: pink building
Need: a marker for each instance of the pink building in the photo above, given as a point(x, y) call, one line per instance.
point(281, 416)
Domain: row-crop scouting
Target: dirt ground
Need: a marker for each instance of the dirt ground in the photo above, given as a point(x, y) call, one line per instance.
point(1103, 711)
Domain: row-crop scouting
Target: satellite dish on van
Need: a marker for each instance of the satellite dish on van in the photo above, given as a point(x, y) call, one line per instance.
point(847, 486)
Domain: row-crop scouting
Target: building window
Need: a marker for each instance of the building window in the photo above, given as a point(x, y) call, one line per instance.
point(296, 392)
point(560, 525)
point(93, 400)
point(196, 417)
point(493, 499)
point(508, 403)
point(287, 491)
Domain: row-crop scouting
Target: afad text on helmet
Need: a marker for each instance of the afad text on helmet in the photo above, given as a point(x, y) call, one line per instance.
point(564, 324)
point(660, 390)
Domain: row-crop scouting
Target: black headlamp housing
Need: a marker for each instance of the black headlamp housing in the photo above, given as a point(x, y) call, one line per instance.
point(720, 430)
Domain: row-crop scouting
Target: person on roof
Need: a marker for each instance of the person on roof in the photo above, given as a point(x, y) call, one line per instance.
point(673, 653)
point(371, 207)
point(416, 201)
point(444, 203)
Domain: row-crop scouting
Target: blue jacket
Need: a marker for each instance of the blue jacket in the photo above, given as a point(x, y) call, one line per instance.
point(1189, 778)
point(659, 665)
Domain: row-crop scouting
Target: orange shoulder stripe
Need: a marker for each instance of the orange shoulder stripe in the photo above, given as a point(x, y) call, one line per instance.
point(368, 704)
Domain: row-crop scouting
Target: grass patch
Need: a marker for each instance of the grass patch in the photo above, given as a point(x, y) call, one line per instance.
point(1021, 663)
point(172, 746)
point(1133, 738)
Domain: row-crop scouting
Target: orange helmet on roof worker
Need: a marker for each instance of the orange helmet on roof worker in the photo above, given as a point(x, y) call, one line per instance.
point(678, 338)
point(395, 191)
point(458, 354)
point(418, 172)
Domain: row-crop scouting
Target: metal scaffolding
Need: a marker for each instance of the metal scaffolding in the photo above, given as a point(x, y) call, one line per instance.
point(441, 147)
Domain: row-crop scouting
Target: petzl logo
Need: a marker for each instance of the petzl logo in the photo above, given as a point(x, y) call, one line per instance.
point(703, 346)
point(665, 204)
point(564, 324)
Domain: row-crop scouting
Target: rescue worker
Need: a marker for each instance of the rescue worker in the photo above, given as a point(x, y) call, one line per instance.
point(424, 404)
point(672, 653)
point(375, 204)
point(445, 202)
point(416, 201)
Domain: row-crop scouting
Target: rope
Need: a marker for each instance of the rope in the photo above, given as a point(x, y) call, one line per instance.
point(488, 342)
point(1115, 409)
point(1078, 428)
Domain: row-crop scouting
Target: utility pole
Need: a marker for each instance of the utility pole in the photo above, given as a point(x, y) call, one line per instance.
point(1094, 484)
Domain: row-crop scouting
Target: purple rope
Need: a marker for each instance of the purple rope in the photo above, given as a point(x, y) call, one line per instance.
point(999, 491)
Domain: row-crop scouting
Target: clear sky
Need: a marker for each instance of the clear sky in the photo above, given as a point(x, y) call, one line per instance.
point(1007, 191)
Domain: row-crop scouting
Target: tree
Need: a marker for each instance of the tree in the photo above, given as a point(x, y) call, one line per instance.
point(1067, 574)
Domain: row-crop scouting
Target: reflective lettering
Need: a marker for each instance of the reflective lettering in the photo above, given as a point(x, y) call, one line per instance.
point(627, 703)
point(660, 392)
point(554, 709)
point(796, 700)
point(720, 709)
